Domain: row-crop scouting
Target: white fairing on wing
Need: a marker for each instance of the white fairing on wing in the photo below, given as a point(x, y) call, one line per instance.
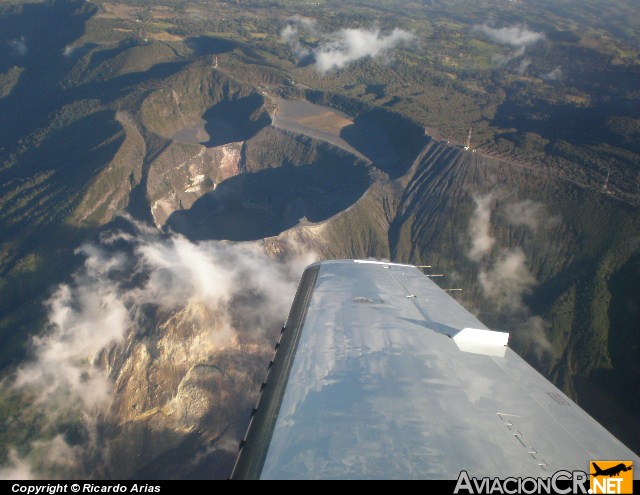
point(478, 341)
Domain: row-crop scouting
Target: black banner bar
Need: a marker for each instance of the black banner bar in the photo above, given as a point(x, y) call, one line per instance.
point(142, 487)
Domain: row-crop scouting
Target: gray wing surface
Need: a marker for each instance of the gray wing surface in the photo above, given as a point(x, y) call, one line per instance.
point(381, 374)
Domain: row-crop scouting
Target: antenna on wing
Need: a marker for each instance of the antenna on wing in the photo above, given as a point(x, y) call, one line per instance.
point(468, 146)
point(605, 188)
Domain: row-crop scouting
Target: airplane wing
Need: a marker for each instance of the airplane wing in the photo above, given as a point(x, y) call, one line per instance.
point(379, 373)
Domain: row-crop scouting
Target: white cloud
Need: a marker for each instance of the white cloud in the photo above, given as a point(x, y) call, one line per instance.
point(305, 22)
point(350, 45)
point(243, 291)
point(95, 310)
point(507, 280)
point(526, 213)
point(480, 229)
point(17, 468)
point(503, 276)
point(343, 47)
point(524, 65)
point(534, 333)
point(84, 318)
point(291, 34)
point(554, 75)
point(518, 37)
point(19, 46)
point(47, 459)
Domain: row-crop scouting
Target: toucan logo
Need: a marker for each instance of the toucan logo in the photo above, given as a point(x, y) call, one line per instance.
point(611, 477)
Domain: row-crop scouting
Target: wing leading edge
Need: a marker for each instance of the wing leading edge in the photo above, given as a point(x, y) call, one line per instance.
point(381, 374)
